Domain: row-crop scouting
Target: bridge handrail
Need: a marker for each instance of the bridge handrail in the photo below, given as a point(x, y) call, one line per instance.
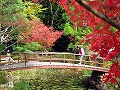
point(65, 58)
point(60, 53)
point(73, 59)
point(51, 58)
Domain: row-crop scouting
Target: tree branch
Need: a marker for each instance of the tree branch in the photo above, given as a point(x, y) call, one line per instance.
point(100, 15)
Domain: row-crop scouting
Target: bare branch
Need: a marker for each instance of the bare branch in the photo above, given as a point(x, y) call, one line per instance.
point(53, 14)
point(98, 14)
point(4, 34)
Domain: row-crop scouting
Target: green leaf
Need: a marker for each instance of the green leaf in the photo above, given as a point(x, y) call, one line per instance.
point(68, 30)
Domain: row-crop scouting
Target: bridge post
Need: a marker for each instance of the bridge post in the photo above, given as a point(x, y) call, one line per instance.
point(25, 59)
point(42, 57)
point(64, 58)
point(18, 57)
point(0, 57)
point(103, 62)
point(73, 58)
point(50, 58)
point(95, 62)
point(84, 60)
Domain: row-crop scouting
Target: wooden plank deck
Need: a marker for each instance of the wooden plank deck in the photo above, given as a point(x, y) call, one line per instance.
point(37, 65)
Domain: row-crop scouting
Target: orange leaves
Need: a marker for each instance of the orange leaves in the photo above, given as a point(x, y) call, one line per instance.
point(41, 34)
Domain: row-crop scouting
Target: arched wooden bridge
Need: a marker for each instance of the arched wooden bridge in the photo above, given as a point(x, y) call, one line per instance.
point(35, 60)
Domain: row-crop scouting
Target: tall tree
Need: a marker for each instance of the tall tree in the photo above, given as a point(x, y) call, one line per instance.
point(10, 13)
point(104, 18)
point(45, 36)
point(14, 16)
point(53, 16)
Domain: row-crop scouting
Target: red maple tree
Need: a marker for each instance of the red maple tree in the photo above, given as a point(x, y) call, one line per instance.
point(105, 14)
point(104, 18)
point(113, 73)
point(45, 36)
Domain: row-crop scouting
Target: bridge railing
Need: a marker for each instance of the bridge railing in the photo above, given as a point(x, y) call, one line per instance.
point(62, 57)
point(57, 57)
point(9, 58)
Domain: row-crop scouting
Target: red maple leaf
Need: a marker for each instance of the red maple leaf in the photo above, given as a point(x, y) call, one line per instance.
point(35, 1)
point(103, 40)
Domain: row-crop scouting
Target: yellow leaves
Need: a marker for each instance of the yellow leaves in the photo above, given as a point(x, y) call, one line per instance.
point(33, 9)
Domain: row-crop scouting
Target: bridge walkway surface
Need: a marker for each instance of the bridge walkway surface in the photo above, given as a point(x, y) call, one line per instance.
point(36, 60)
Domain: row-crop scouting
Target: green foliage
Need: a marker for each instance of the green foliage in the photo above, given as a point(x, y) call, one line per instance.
point(66, 17)
point(53, 16)
point(55, 80)
point(68, 30)
point(28, 47)
point(22, 85)
point(10, 9)
point(2, 47)
point(78, 33)
point(33, 46)
point(3, 77)
point(71, 45)
point(86, 72)
point(10, 14)
point(107, 64)
point(49, 79)
point(21, 49)
point(83, 32)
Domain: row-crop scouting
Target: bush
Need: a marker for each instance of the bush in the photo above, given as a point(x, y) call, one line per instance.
point(28, 47)
point(52, 79)
point(2, 48)
point(33, 46)
point(22, 85)
point(3, 77)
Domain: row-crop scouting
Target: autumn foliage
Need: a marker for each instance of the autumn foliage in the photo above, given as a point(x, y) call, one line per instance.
point(105, 42)
point(104, 39)
point(113, 74)
point(103, 16)
point(38, 32)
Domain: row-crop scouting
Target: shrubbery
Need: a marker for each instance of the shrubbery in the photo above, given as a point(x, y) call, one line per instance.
point(3, 77)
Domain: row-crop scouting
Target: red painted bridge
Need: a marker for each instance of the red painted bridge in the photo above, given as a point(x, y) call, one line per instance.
point(36, 60)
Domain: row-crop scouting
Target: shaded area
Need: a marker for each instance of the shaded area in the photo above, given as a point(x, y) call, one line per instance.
point(94, 81)
point(61, 44)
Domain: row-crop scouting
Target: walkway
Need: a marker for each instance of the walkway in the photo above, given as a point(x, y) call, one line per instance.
point(37, 60)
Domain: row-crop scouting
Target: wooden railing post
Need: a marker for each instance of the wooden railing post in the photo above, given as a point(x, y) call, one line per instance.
point(50, 58)
point(42, 57)
point(25, 57)
point(73, 59)
point(95, 63)
point(18, 57)
point(103, 62)
point(0, 57)
point(64, 58)
point(84, 59)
